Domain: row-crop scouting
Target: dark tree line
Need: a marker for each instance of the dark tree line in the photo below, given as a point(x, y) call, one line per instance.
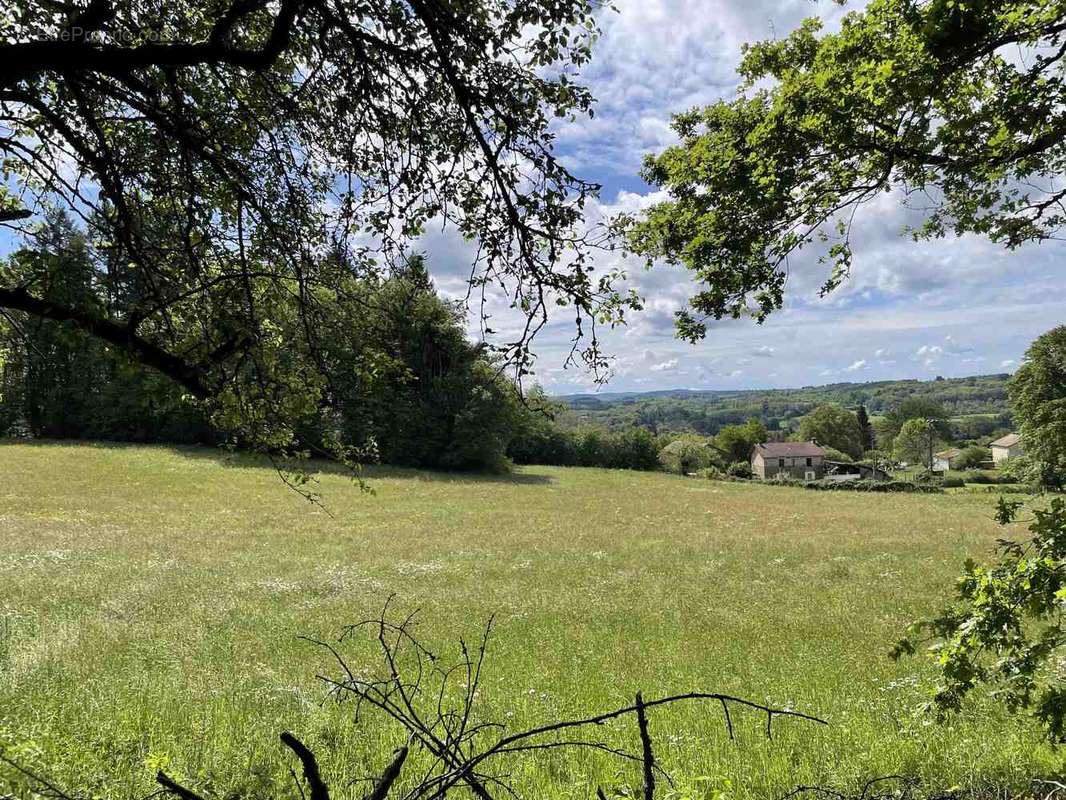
point(406, 385)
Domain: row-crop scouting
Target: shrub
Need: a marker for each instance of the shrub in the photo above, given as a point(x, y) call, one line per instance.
point(739, 469)
point(688, 453)
point(970, 458)
point(712, 473)
point(635, 448)
point(540, 439)
point(1020, 469)
point(868, 486)
point(986, 478)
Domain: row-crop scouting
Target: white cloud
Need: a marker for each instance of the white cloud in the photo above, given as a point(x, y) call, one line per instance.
point(665, 366)
point(953, 305)
point(1008, 363)
point(659, 57)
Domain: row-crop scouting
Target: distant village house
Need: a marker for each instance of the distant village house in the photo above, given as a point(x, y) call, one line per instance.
point(799, 460)
point(1006, 448)
point(942, 460)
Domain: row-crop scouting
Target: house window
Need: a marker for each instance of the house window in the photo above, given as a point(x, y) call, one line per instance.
point(780, 462)
point(809, 462)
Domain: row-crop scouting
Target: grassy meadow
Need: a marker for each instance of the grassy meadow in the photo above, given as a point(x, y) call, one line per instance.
point(152, 599)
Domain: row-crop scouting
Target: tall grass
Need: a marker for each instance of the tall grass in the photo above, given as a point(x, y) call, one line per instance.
point(151, 602)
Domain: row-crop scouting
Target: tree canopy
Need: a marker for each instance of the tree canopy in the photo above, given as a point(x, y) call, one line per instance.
point(956, 107)
point(916, 442)
point(734, 442)
point(1038, 396)
point(243, 160)
point(409, 387)
point(921, 408)
point(834, 426)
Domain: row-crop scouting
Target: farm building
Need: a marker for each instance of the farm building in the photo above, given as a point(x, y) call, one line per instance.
point(848, 471)
point(942, 460)
point(1006, 448)
point(801, 460)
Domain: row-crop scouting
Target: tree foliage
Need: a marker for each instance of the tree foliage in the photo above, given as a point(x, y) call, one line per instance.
point(866, 429)
point(927, 100)
point(1038, 396)
point(687, 454)
point(978, 406)
point(734, 442)
point(1005, 629)
point(834, 426)
point(916, 442)
point(58, 381)
point(224, 151)
point(406, 386)
point(891, 424)
point(973, 457)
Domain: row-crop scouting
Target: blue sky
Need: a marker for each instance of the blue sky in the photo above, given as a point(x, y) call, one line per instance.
point(952, 307)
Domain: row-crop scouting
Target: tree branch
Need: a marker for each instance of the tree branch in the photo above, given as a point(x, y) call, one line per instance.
point(187, 375)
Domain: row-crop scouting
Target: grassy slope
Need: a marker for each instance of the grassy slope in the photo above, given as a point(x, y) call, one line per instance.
point(150, 601)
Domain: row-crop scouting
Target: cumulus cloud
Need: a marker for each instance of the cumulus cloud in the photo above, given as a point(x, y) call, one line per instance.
point(949, 306)
point(665, 366)
point(659, 57)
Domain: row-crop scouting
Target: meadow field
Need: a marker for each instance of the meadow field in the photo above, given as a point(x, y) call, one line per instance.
point(152, 602)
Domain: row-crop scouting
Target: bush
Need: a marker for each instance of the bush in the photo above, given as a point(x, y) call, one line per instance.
point(688, 453)
point(739, 469)
point(926, 479)
point(860, 486)
point(880, 486)
point(539, 438)
point(952, 482)
point(971, 458)
point(986, 478)
point(635, 448)
point(1002, 629)
point(1022, 469)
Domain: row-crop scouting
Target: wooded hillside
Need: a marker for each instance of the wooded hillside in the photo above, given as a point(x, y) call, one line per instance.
point(975, 403)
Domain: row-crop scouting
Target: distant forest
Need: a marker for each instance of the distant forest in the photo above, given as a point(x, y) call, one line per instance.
point(977, 405)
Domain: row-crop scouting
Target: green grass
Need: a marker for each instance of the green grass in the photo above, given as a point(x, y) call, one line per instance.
point(151, 601)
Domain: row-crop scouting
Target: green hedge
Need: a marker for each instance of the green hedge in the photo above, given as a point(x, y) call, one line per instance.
point(862, 486)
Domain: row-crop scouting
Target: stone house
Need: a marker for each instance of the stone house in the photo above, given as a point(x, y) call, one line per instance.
point(799, 460)
point(1006, 448)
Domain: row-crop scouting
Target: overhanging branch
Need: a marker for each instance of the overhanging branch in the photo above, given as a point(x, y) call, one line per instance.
point(187, 375)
